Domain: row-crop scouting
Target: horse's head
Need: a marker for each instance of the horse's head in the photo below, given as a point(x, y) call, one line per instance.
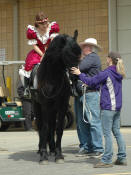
point(62, 54)
point(65, 50)
point(71, 53)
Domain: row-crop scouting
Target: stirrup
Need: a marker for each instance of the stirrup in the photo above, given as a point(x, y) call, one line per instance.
point(27, 93)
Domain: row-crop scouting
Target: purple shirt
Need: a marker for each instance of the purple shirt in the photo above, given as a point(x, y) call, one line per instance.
point(111, 87)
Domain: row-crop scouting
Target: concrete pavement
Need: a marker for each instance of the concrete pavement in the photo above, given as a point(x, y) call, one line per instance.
point(18, 156)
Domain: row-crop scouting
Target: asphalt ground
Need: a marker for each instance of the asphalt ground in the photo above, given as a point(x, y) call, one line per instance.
point(18, 156)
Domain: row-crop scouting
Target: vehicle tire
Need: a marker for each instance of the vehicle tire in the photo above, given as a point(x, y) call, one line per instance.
point(4, 126)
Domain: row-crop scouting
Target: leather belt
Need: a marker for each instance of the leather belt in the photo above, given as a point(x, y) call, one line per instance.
point(91, 91)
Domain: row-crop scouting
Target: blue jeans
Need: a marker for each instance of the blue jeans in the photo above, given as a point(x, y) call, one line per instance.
point(111, 123)
point(90, 135)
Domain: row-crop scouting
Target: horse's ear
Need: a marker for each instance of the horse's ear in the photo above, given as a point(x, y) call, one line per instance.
point(75, 35)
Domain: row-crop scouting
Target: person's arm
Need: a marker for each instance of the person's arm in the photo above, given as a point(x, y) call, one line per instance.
point(53, 36)
point(90, 81)
point(93, 81)
point(54, 30)
point(36, 48)
point(32, 40)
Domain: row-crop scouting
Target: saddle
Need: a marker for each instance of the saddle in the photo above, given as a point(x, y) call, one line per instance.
point(33, 77)
point(33, 83)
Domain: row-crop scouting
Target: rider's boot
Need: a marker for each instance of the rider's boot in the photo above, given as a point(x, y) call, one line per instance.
point(26, 85)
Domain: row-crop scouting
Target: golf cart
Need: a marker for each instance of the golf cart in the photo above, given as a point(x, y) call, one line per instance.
point(10, 112)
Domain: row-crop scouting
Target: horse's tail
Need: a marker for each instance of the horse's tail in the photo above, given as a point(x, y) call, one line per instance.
point(69, 119)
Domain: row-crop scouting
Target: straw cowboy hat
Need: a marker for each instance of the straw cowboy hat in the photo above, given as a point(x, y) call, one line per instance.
point(92, 42)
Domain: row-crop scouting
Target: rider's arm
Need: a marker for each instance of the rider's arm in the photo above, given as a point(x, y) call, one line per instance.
point(41, 57)
point(36, 48)
point(54, 30)
point(32, 40)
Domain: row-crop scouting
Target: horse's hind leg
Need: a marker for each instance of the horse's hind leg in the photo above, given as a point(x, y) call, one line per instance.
point(51, 135)
point(59, 132)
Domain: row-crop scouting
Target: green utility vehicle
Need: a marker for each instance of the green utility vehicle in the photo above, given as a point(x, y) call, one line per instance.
point(10, 112)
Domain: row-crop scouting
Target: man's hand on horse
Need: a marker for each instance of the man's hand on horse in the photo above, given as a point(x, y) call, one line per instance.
point(75, 71)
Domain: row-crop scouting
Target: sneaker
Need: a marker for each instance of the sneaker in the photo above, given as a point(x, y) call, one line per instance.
point(95, 154)
point(121, 162)
point(82, 153)
point(103, 165)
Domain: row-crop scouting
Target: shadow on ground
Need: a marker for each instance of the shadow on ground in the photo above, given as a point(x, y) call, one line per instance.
point(25, 155)
point(70, 154)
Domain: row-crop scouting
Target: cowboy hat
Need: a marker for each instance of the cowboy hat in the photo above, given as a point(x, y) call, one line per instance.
point(92, 42)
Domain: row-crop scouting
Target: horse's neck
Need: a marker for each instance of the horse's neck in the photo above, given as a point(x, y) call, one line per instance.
point(50, 73)
point(56, 73)
point(56, 76)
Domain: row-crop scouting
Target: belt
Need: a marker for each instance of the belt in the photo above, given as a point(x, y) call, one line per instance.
point(91, 91)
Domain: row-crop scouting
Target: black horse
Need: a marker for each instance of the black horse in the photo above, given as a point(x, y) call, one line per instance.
point(53, 94)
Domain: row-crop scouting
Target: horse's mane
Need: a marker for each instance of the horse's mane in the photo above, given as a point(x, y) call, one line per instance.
point(62, 53)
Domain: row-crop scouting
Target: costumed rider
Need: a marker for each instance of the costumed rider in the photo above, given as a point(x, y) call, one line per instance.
point(39, 37)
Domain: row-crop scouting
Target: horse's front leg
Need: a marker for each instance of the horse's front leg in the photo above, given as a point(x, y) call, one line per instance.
point(51, 135)
point(43, 134)
point(37, 115)
point(59, 133)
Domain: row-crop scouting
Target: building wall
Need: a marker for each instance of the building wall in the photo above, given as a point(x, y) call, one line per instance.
point(90, 17)
point(6, 28)
point(6, 37)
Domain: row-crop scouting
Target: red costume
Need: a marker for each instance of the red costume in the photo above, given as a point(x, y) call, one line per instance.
point(41, 41)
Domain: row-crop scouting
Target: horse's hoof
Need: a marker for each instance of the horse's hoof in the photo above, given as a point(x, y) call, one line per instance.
point(43, 162)
point(59, 161)
point(52, 157)
point(52, 154)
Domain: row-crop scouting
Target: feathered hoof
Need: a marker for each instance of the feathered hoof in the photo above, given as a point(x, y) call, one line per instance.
point(52, 156)
point(60, 161)
point(44, 162)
